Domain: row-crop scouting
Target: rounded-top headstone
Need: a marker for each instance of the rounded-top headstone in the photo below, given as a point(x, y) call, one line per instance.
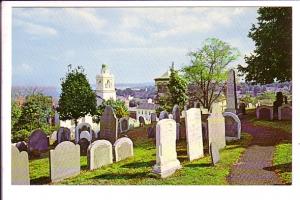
point(38, 142)
point(163, 115)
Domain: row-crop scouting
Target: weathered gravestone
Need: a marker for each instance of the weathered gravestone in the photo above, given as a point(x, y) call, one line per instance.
point(22, 146)
point(166, 155)
point(142, 121)
point(232, 126)
point(163, 115)
point(194, 133)
point(82, 127)
point(231, 99)
point(38, 143)
point(86, 135)
point(123, 149)
point(84, 144)
point(153, 118)
point(99, 154)
point(63, 134)
point(151, 132)
point(53, 138)
point(216, 127)
point(242, 108)
point(19, 167)
point(264, 112)
point(176, 117)
point(277, 103)
point(124, 124)
point(285, 112)
point(214, 153)
point(109, 125)
point(64, 161)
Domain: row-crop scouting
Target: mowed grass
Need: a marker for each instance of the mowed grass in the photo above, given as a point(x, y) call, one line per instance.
point(283, 162)
point(138, 170)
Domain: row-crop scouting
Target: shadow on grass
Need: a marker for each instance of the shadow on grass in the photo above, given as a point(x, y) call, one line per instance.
point(40, 181)
point(199, 165)
point(112, 176)
point(139, 164)
point(287, 167)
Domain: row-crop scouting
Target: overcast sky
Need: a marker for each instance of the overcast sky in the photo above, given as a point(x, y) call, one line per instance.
point(138, 44)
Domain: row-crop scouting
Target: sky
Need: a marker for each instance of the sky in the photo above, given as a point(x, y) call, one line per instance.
point(138, 44)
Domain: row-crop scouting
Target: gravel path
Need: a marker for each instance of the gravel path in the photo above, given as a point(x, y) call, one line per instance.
point(252, 168)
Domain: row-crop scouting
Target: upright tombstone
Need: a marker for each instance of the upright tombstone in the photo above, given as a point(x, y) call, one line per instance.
point(22, 146)
point(123, 149)
point(231, 99)
point(264, 112)
point(232, 126)
point(64, 161)
point(109, 125)
point(277, 103)
point(99, 154)
point(153, 118)
point(53, 138)
point(214, 153)
point(142, 121)
point(216, 127)
point(84, 144)
point(176, 117)
point(124, 124)
point(63, 134)
point(82, 127)
point(194, 133)
point(19, 167)
point(38, 142)
point(166, 155)
point(242, 108)
point(151, 132)
point(86, 135)
point(285, 112)
point(163, 115)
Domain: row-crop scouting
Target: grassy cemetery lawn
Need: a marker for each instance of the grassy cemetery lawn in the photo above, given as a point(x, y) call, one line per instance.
point(137, 170)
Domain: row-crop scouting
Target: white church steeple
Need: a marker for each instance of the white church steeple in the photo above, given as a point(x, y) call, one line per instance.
point(105, 88)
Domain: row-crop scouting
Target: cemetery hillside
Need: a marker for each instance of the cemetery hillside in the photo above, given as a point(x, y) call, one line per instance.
point(217, 120)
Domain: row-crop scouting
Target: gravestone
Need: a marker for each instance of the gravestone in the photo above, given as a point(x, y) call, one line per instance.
point(109, 125)
point(163, 115)
point(22, 146)
point(197, 104)
point(277, 103)
point(151, 132)
point(86, 135)
point(153, 118)
point(19, 167)
point(123, 149)
point(264, 112)
point(176, 117)
point(216, 128)
point(84, 144)
point(64, 161)
point(82, 127)
point(170, 116)
point(285, 112)
point(38, 143)
point(232, 126)
point(99, 154)
point(214, 153)
point(142, 121)
point(231, 99)
point(123, 124)
point(166, 155)
point(242, 108)
point(194, 133)
point(63, 134)
point(53, 138)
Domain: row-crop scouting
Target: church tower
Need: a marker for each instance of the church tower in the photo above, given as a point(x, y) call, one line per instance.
point(105, 88)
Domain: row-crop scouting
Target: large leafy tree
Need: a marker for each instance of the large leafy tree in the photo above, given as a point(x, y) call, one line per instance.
point(16, 112)
point(272, 58)
point(207, 72)
point(77, 98)
point(118, 106)
point(35, 112)
point(177, 88)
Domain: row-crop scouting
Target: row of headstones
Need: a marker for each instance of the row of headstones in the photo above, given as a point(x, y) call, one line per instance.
point(267, 112)
point(166, 131)
point(65, 159)
point(232, 123)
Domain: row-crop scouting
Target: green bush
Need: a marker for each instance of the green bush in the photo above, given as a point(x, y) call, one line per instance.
point(21, 135)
